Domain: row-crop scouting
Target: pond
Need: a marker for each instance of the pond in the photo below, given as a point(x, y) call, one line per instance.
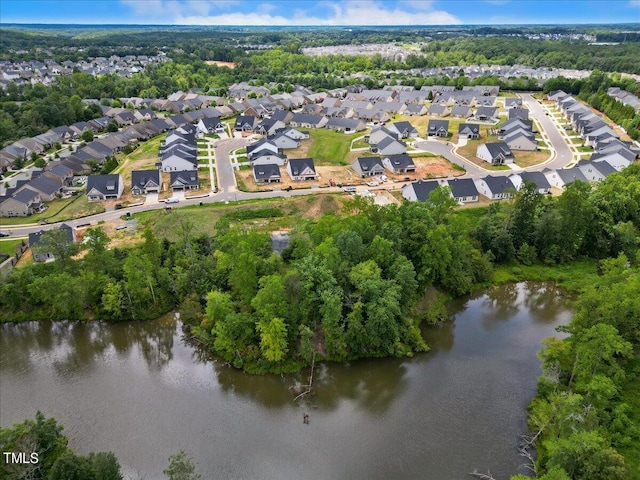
point(144, 392)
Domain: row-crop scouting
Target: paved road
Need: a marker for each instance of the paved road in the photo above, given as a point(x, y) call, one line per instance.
point(224, 170)
point(563, 152)
point(446, 150)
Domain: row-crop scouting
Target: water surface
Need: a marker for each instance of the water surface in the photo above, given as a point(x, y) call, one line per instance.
point(143, 392)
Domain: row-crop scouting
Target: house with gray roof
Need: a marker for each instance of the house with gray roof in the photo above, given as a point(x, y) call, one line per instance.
point(346, 125)
point(419, 191)
point(497, 153)
point(463, 190)
point(486, 113)
point(562, 177)
point(512, 102)
point(104, 187)
point(145, 181)
point(245, 123)
point(403, 130)
point(402, 163)
point(184, 180)
point(495, 188)
point(469, 130)
point(308, 121)
point(46, 186)
point(210, 125)
point(266, 157)
point(522, 113)
point(537, 178)
point(438, 128)
point(460, 111)
point(267, 173)
point(21, 203)
point(416, 110)
point(389, 146)
point(368, 166)
point(35, 240)
point(301, 169)
point(436, 110)
point(521, 140)
point(283, 141)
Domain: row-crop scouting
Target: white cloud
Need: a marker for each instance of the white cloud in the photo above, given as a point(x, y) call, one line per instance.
point(634, 3)
point(350, 12)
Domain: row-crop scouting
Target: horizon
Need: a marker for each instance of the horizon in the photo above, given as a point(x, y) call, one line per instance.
point(318, 13)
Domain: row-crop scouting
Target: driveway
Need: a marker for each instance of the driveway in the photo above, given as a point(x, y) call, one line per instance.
point(224, 170)
point(446, 150)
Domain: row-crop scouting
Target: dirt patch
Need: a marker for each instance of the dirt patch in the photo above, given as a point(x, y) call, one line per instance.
point(218, 63)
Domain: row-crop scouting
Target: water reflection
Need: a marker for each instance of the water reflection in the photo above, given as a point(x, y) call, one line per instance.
point(438, 415)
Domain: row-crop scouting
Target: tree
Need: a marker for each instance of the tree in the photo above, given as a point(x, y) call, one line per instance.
point(181, 467)
point(219, 305)
point(72, 467)
point(105, 466)
point(40, 163)
point(273, 339)
point(57, 243)
point(87, 136)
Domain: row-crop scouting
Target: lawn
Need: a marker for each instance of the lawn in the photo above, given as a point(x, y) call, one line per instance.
point(326, 147)
point(144, 157)
point(60, 210)
point(296, 212)
point(528, 159)
point(8, 246)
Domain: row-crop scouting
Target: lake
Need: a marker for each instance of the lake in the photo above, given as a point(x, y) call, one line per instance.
point(144, 392)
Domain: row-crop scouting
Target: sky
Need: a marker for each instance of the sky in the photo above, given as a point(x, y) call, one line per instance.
point(319, 12)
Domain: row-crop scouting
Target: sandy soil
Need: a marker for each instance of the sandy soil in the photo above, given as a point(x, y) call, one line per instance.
point(230, 65)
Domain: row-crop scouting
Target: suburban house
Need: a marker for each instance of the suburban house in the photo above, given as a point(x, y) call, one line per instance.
point(346, 125)
point(512, 102)
point(20, 204)
point(463, 190)
point(268, 173)
point(301, 169)
point(295, 134)
point(104, 187)
point(415, 110)
point(604, 168)
point(497, 153)
point(368, 166)
point(438, 128)
point(269, 127)
point(378, 134)
point(283, 141)
point(403, 129)
point(402, 163)
point(460, 111)
point(265, 157)
point(521, 140)
point(486, 114)
point(537, 178)
point(469, 130)
point(184, 180)
point(308, 121)
point(389, 146)
point(436, 110)
point(208, 126)
point(262, 145)
point(35, 239)
point(419, 191)
point(562, 177)
point(47, 186)
point(145, 181)
point(522, 113)
point(495, 188)
point(245, 123)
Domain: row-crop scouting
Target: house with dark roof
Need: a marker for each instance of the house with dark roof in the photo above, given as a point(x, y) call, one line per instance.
point(438, 110)
point(145, 181)
point(104, 187)
point(64, 173)
point(461, 111)
point(269, 126)
point(35, 240)
point(264, 144)
point(419, 191)
point(402, 163)
point(415, 110)
point(184, 180)
point(438, 128)
point(495, 188)
point(512, 102)
point(368, 166)
point(469, 130)
point(486, 113)
point(308, 121)
point(389, 146)
point(301, 169)
point(378, 134)
point(245, 123)
point(522, 113)
point(20, 203)
point(267, 173)
point(562, 177)
point(463, 190)
point(266, 157)
point(212, 125)
point(46, 186)
point(403, 130)
point(346, 125)
point(497, 153)
point(537, 178)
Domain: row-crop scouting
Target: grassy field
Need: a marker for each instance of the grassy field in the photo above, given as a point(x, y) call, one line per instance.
point(142, 158)
point(60, 210)
point(325, 147)
point(296, 213)
point(8, 246)
point(573, 277)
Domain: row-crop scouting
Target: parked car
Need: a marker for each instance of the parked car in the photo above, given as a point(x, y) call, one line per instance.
point(172, 200)
point(5, 234)
point(373, 183)
point(384, 178)
point(350, 189)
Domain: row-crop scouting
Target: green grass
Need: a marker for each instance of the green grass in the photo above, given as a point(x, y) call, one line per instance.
point(327, 147)
point(360, 144)
point(8, 246)
point(585, 149)
point(573, 277)
point(60, 210)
